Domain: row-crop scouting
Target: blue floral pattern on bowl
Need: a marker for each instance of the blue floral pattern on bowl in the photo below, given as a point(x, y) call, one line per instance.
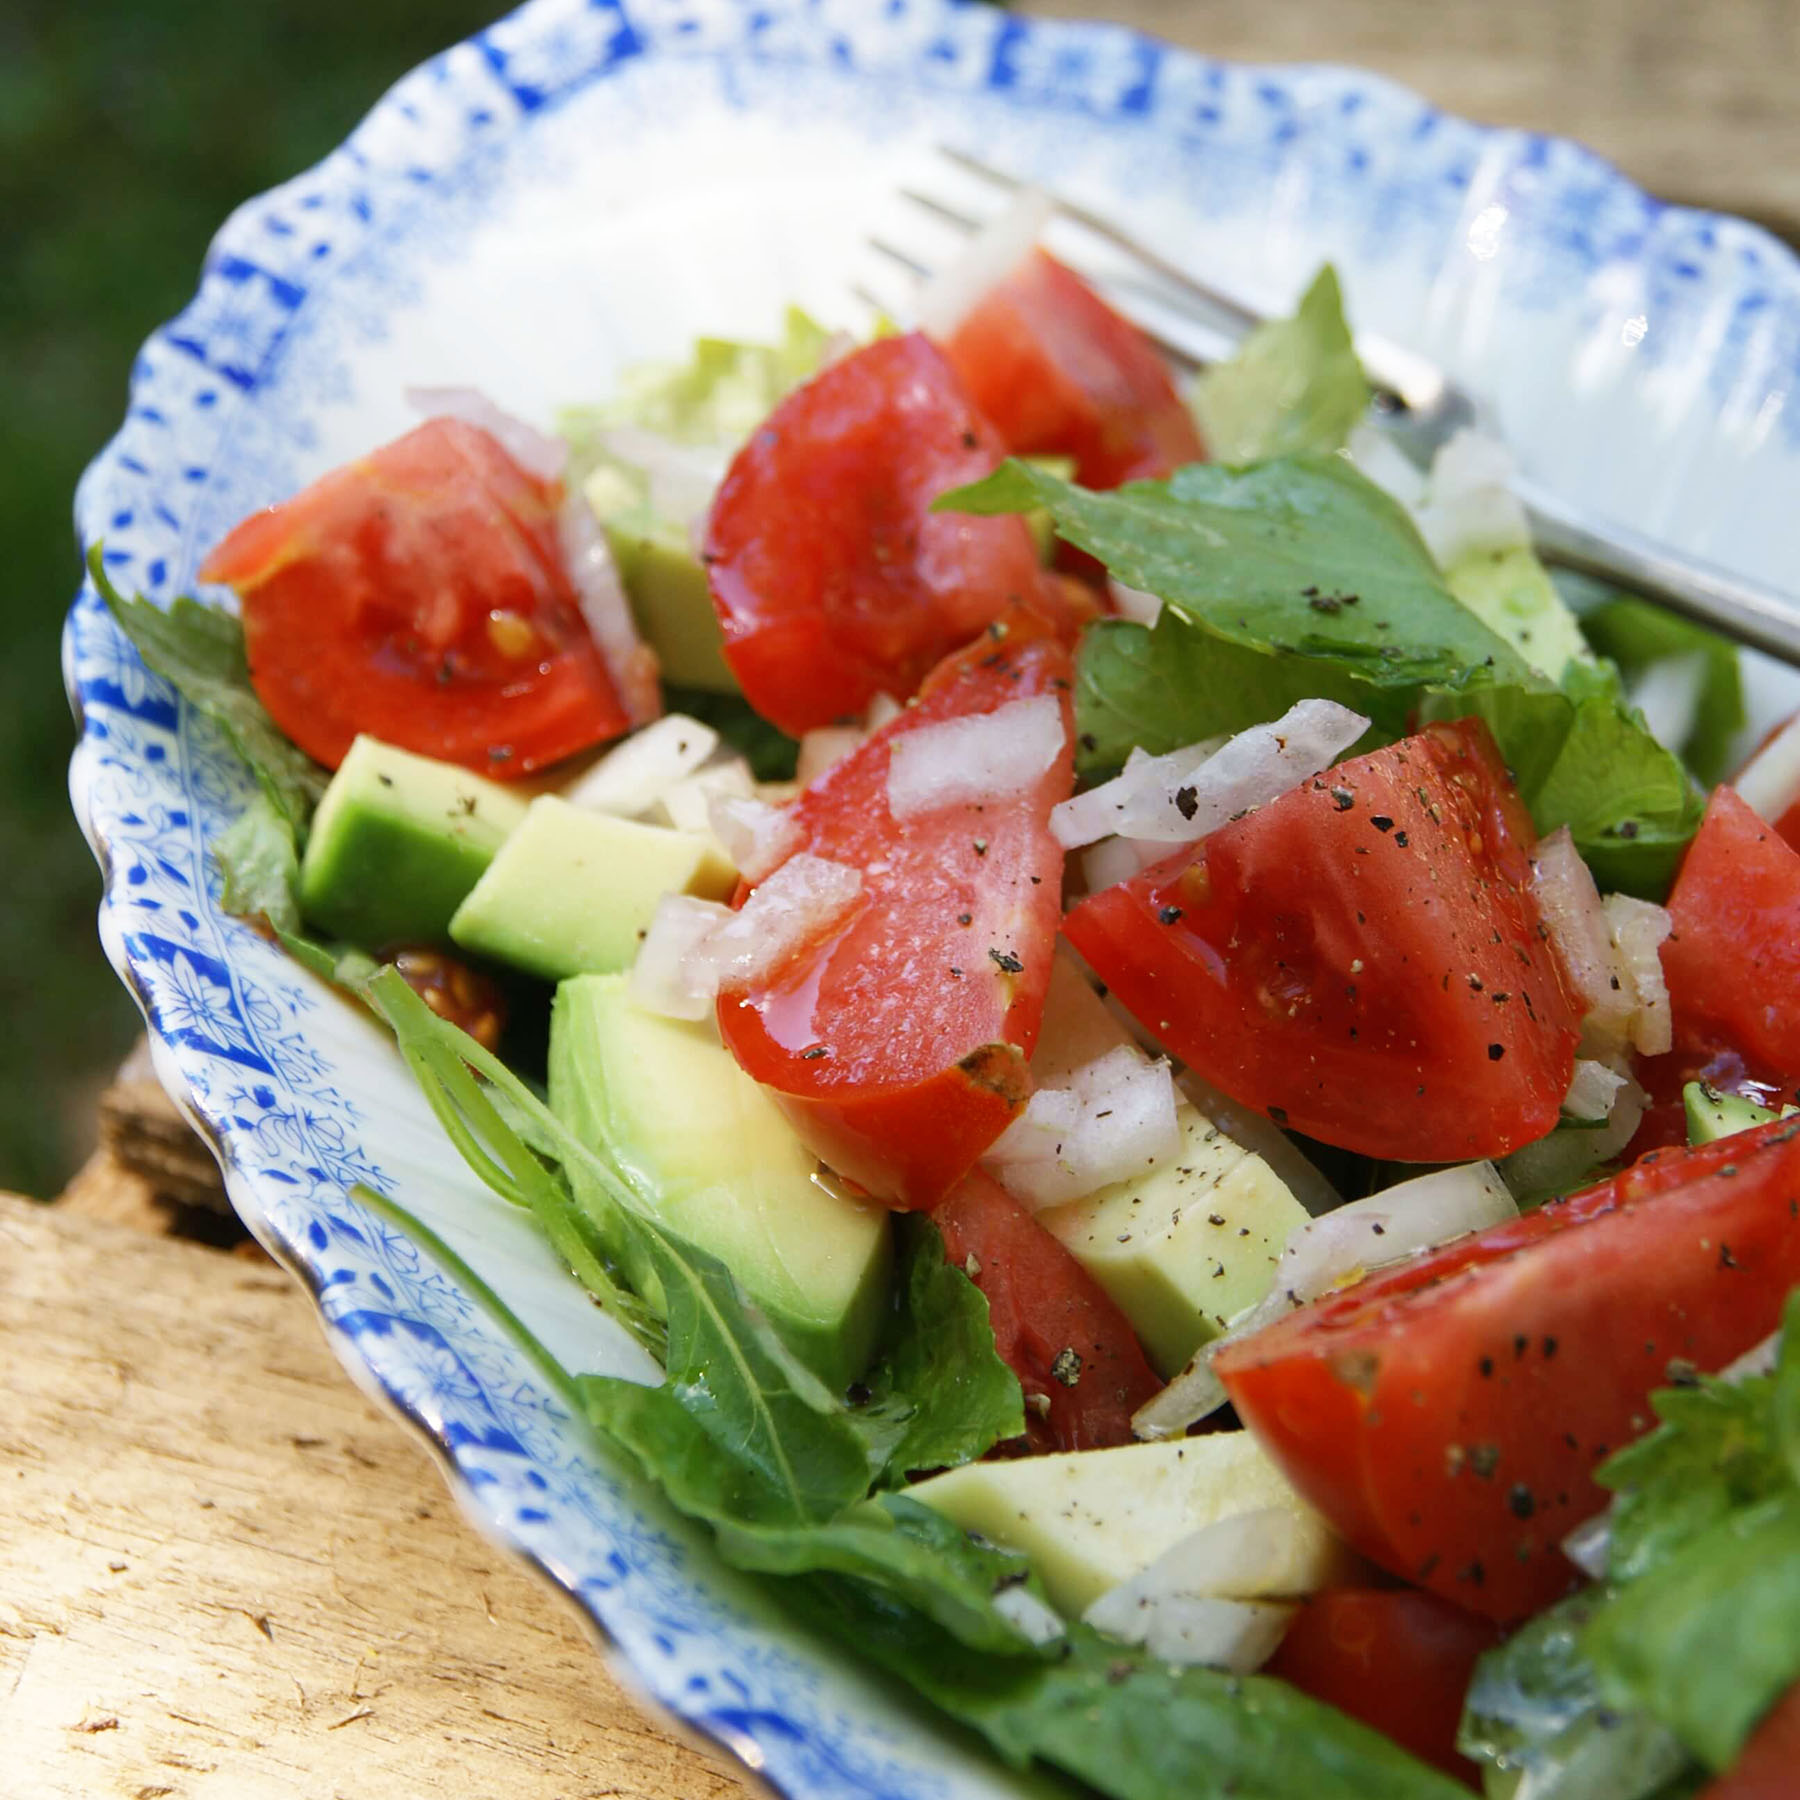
point(1648, 356)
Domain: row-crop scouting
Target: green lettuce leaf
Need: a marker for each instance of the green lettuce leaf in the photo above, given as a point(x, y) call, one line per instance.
point(1511, 591)
point(1294, 384)
point(1113, 1716)
point(259, 866)
point(1536, 1719)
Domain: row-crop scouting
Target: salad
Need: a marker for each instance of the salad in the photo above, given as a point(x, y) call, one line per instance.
point(1155, 1026)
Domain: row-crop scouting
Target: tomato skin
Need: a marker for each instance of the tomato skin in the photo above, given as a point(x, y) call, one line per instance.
point(832, 578)
point(1042, 1303)
point(1061, 373)
point(928, 1001)
point(1732, 961)
point(419, 594)
point(1398, 1659)
point(1361, 958)
point(1446, 1415)
point(1766, 1767)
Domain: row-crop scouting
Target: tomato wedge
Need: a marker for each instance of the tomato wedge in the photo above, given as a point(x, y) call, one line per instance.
point(897, 1047)
point(1398, 1659)
point(419, 594)
point(1446, 1416)
point(1360, 959)
point(1060, 372)
point(833, 579)
point(1073, 1351)
point(1733, 960)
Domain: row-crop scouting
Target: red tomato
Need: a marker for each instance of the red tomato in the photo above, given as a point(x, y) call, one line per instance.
point(1059, 372)
point(897, 1047)
point(1709, 1060)
point(1733, 960)
point(419, 594)
point(1772, 775)
point(1446, 1415)
point(833, 579)
point(1361, 959)
point(1073, 1351)
point(1395, 1658)
point(1766, 1769)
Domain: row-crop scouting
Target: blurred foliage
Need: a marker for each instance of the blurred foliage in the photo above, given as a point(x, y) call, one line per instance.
point(128, 130)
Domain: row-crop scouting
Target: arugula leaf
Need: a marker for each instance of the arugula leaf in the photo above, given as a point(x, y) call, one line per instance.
point(259, 865)
point(1294, 384)
point(1535, 1715)
point(200, 651)
point(1634, 634)
point(1113, 1716)
point(941, 1396)
point(1301, 556)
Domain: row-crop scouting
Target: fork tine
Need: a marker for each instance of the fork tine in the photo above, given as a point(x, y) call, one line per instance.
point(904, 258)
point(965, 222)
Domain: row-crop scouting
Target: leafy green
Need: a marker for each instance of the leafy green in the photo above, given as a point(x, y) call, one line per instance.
point(1535, 1715)
point(940, 1388)
point(1294, 384)
point(1115, 1717)
point(1511, 591)
point(771, 753)
point(200, 651)
point(1635, 634)
point(259, 865)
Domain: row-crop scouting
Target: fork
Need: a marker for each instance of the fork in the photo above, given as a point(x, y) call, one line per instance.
point(1416, 404)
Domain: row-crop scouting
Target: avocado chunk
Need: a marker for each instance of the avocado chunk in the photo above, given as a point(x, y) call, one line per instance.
point(1089, 1519)
point(724, 1170)
point(397, 843)
point(1185, 1246)
point(1712, 1115)
point(572, 892)
point(667, 588)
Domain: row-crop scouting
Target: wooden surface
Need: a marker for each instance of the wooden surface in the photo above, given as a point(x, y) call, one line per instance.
point(225, 1576)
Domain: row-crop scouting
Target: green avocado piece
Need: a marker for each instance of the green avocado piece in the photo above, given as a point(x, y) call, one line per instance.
point(397, 843)
point(1712, 1115)
point(572, 892)
point(666, 585)
point(726, 1172)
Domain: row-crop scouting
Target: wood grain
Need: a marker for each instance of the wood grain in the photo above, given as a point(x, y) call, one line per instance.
point(225, 1576)
point(1695, 102)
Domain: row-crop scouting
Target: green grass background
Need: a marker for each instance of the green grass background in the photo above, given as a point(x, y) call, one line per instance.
point(128, 130)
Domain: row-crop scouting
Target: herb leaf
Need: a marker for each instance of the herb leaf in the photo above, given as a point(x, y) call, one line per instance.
point(1294, 384)
point(259, 865)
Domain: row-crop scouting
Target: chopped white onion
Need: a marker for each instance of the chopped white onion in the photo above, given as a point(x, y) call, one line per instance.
point(635, 774)
point(883, 710)
point(606, 611)
point(1238, 1636)
point(1592, 1090)
point(543, 456)
point(1769, 783)
point(1588, 1545)
point(1667, 692)
point(799, 903)
point(1269, 1553)
point(672, 975)
point(1386, 464)
point(948, 296)
point(1115, 1118)
point(821, 748)
point(1469, 505)
point(1327, 1252)
point(757, 837)
point(687, 804)
point(1133, 603)
point(974, 760)
point(1759, 1359)
point(1033, 1619)
point(1181, 796)
point(1638, 930)
point(1582, 937)
point(1116, 859)
point(681, 478)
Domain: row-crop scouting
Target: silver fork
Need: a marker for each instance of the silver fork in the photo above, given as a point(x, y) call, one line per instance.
point(1416, 405)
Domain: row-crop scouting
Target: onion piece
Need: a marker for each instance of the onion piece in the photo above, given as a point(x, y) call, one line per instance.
point(820, 749)
point(1582, 937)
point(757, 837)
point(1667, 692)
point(1035, 1620)
point(672, 974)
point(1133, 603)
point(1237, 1636)
point(964, 280)
point(635, 774)
point(687, 804)
point(1116, 1118)
point(1769, 783)
point(1558, 1162)
point(1469, 504)
point(974, 760)
point(606, 611)
point(1116, 859)
point(789, 909)
point(1386, 464)
point(543, 456)
point(681, 478)
point(1592, 1090)
point(1180, 797)
point(1638, 930)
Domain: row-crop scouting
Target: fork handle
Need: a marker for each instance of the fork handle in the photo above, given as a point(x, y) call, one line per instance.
point(1730, 604)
